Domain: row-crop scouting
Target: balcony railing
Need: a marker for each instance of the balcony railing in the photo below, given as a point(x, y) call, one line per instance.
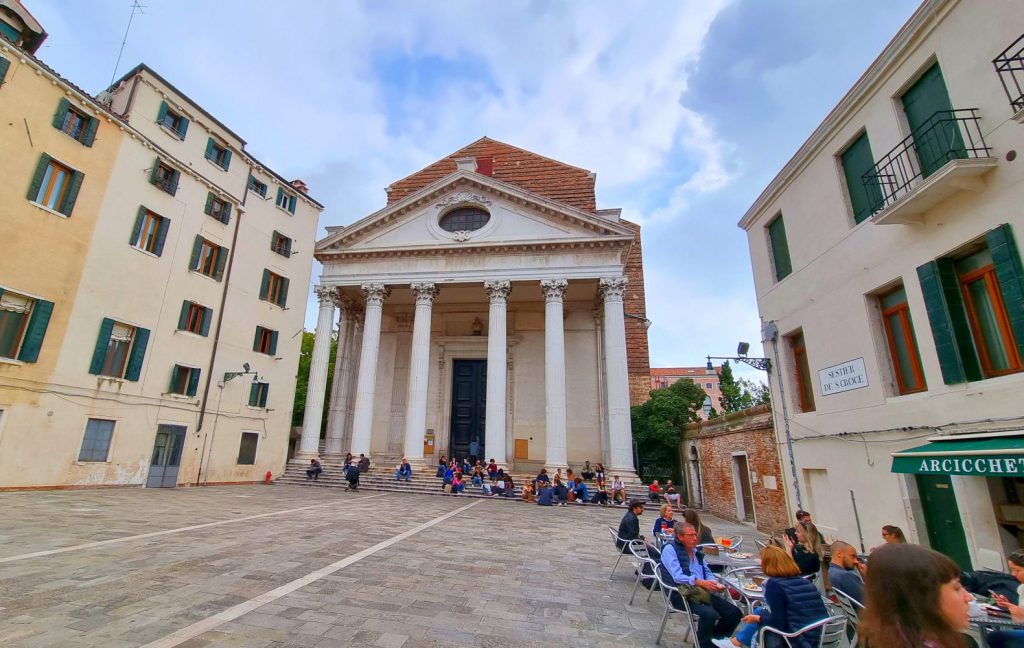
point(1010, 66)
point(947, 135)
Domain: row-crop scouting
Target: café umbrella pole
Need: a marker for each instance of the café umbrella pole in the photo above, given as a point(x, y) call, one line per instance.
point(856, 516)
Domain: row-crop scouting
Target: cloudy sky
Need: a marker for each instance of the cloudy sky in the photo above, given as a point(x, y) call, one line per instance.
point(684, 109)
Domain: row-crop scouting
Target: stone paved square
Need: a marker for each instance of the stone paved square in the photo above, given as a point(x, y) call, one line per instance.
point(490, 574)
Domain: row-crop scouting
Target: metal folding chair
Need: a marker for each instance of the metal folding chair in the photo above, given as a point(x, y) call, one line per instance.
point(615, 540)
point(644, 562)
point(833, 633)
point(735, 542)
point(761, 546)
point(850, 608)
point(670, 606)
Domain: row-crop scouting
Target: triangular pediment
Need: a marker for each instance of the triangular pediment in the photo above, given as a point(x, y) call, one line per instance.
point(517, 217)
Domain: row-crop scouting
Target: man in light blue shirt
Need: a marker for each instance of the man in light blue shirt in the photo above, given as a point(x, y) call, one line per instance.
point(684, 564)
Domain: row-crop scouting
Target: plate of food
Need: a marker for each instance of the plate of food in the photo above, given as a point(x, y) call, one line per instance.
point(742, 556)
point(753, 588)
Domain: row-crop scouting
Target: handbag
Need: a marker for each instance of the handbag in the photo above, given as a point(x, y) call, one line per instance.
point(695, 594)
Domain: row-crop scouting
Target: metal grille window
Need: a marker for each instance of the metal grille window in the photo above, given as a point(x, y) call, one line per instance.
point(464, 219)
point(247, 448)
point(74, 124)
point(96, 443)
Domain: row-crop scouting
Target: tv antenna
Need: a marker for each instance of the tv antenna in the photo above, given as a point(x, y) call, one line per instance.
point(135, 7)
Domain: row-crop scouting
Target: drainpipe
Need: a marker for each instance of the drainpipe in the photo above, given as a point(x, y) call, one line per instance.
point(220, 323)
point(771, 334)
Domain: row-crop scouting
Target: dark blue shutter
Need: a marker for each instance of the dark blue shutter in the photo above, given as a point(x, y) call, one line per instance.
point(183, 316)
point(140, 216)
point(36, 331)
point(90, 131)
point(137, 355)
point(273, 343)
point(4, 64)
point(288, 247)
point(1010, 274)
point(204, 326)
point(222, 257)
point(161, 235)
point(71, 195)
point(37, 178)
point(193, 381)
point(102, 342)
point(61, 114)
point(197, 249)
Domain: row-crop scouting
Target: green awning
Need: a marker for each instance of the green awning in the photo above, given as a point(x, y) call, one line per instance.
point(1001, 456)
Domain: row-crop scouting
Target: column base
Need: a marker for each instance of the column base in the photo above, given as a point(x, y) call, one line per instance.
point(299, 454)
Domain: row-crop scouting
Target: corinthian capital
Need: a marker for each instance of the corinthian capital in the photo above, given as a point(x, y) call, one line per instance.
point(424, 292)
point(613, 288)
point(325, 294)
point(554, 289)
point(375, 293)
point(498, 291)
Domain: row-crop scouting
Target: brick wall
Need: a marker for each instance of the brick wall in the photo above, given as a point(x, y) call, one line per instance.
point(638, 358)
point(749, 431)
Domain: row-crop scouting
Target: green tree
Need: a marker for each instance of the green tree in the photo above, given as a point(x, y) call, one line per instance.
point(742, 393)
point(658, 424)
point(302, 379)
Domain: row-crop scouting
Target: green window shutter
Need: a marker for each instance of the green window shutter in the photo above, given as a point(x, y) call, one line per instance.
point(183, 316)
point(61, 114)
point(256, 339)
point(291, 204)
point(948, 321)
point(36, 331)
point(183, 127)
point(265, 285)
point(858, 162)
point(273, 343)
point(102, 341)
point(225, 214)
point(227, 158)
point(284, 292)
point(193, 381)
point(280, 197)
point(204, 326)
point(209, 148)
point(197, 248)
point(936, 142)
point(4, 65)
point(161, 235)
point(162, 112)
point(264, 394)
point(71, 195)
point(222, 257)
point(174, 378)
point(37, 178)
point(253, 394)
point(90, 131)
point(154, 173)
point(174, 183)
point(209, 204)
point(1006, 258)
point(273, 240)
point(780, 249)
point(288, 247)
point(139, 344)
point(140, 216)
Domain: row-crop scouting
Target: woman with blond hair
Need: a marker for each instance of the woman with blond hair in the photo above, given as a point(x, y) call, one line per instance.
point(807, 550)
point(793, 602)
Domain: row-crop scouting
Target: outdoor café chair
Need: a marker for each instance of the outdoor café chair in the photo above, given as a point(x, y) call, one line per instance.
point(671, 607)
point(761, 546)
point(833, 633)
point(851, 608)
point(734, 542)
point(640, 575)
point(625, 548)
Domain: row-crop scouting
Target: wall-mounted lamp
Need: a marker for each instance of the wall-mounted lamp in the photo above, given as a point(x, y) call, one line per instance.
point(647, 322)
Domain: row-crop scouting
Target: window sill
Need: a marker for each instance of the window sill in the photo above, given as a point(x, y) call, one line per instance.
point(11, 361)
point(170, 131)
point(214, 163)
point(180, 397)
point(77, 462)
point(110, 379)
point(146, 252)
point(204, 275)
point(199, 336)
point(256, 409)
point(267, 301)
point(47, 209)
point(283, 209)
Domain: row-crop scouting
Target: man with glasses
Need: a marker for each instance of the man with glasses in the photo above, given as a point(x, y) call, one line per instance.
point(685, 566)
point(629, 527)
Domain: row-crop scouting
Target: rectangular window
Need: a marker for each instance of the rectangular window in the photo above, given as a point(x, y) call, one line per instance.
point(4, 65)
point(865, 193)
point(172, 120)
point(149, 232)
point(208, 258)
point(23, 323)
point(265, 341)
point(195, 318)
point(805, 388)
point(274, 288)
point(218, 153)
point(709, 385)
point(937, 138)
point(217, 208)
point(899, 333)
point(258, 394)
point(257, 187)
point(120, 349)
point(56, 181)
point(986, 312)
point(75, 123)
point(281, 244)
point(779, 248)
point(184, 380)
point(165, 177)
point(247, 448)
point(285, 200)
point(96, 443)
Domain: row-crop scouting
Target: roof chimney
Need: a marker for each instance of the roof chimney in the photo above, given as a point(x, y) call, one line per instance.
point(300, 185)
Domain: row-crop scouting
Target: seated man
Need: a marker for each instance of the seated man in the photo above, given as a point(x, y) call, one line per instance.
point(654, 491)
point(672, 495)
point(684, 565)
point(546, 495)
point(404, 470)
point(587, 473)
point(541, 478)
point(364, 463)
point(352, 475)
point(448, 478)
point(846, 572)
point(601, 496)
point(492, 469)
point(442, 463)
point(314, 470)
point(561, 492)
point(629, 526)
point(618, 491)
point(582, 493)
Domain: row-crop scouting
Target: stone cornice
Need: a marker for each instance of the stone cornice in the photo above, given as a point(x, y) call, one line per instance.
point(615, 242)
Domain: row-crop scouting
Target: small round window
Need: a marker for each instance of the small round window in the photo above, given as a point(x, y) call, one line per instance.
point(464, 219)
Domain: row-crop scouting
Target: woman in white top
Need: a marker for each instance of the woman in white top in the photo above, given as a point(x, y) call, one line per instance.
point(618, 491)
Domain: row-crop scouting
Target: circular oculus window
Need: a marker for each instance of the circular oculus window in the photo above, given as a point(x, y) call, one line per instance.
point(464, 219)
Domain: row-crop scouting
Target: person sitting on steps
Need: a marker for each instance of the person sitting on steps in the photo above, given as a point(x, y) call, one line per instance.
point(364, 463)
point(587, 473)
point(314, 470)
point(352, 475)
point(404, 470)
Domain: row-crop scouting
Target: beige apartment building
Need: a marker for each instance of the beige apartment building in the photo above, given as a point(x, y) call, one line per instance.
point(889, 281)
point(153, 303)
point(706, 379)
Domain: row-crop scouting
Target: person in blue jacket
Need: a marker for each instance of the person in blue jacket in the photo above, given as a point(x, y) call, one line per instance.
point(546, 495)
point(582, 493)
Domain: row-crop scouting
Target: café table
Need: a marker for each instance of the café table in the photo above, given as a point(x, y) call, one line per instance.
point(986, 624)
point(741, 580)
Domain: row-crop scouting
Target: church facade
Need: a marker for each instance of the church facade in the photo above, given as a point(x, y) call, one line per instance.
point(489, 306)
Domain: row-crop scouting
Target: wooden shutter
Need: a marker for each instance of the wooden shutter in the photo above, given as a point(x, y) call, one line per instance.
point(227, 158)
point(263, 394)
point(858, 161)
point(280, 194)
point(174, 379)
point(204, 326)
point(183, 316)
point(100, 351)
point(291, 204)
point(90, 131)
point(273, 343)
point(175, 176)
point(154, 173)
point(197, 249)
point(36, 331)
point(182, 126)
point(71, 195)
point(193, 381)
point(780, 249)
point(37, 178)
point(948, 321)
point(254, 389)
point(162, 113)
point(4, 65)
point(225, 214)
point(933, 140)
point(284, 292)
point(287, 247)
point(265, 284)
point(140, 217)
point(138, 354)
point(209, 148)
point(161, 235)
point(1007, 262)
point(62, 112)
point(256, 339)
point(208, 209)
point(222, 257)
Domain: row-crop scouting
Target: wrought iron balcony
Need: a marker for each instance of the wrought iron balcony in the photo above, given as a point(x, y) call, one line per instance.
point(1010, 67)
point(949, 138)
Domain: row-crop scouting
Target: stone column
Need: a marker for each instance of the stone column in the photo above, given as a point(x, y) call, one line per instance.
point(620, 434)
point(351, 371)
point(336, 413)
point(419, 369)
point(309, 445)
point(554, 373)
point(366, 383)
point(495, 443)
